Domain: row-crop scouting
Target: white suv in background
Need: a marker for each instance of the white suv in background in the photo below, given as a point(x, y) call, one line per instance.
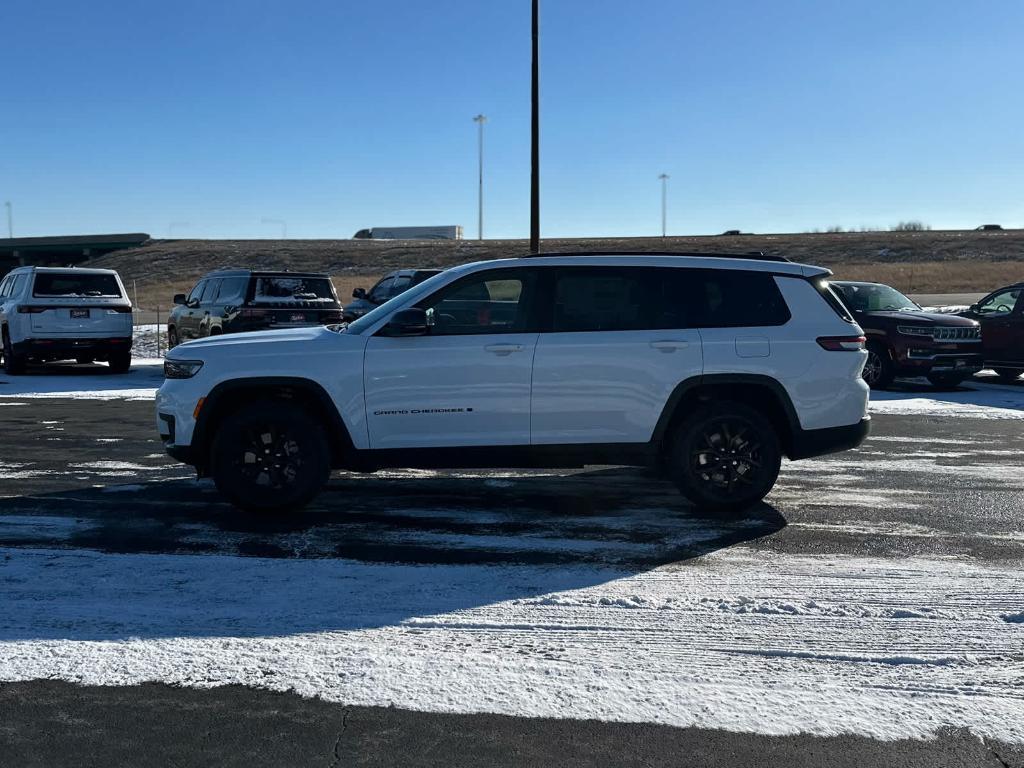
point(64, 314)
point(711, 368)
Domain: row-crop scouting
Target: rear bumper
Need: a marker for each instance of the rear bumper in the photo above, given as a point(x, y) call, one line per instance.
point(808, 443)
point(60, 348)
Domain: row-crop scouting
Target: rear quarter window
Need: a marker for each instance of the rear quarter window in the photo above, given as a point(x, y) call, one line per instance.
point(735, 299)
point(71, 284)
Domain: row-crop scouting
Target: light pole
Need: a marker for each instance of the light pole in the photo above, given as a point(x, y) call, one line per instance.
point(480, 120)
point(10, 220)
point(664, 198)
point(535, 132)
point(280, 222)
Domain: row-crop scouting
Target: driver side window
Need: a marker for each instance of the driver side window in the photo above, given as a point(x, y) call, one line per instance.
point(491, 302)
point(197, 291)
point(1001, 304)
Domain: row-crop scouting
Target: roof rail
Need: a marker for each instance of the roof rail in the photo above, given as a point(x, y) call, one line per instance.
point(753, 255)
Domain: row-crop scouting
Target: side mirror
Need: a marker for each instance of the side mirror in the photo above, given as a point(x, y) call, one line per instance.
point(407, 322)
point(359, 293)
point(179, 298)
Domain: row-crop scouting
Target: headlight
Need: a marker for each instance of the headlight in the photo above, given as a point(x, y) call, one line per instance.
point(181, 369)
point(915, 330)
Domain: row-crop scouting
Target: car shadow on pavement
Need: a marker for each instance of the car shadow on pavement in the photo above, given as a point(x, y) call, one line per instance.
point(373, 551)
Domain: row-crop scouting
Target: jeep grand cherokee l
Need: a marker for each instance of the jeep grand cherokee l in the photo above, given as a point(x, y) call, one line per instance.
point(710, 368)
point(237, 300)
point(904, 340)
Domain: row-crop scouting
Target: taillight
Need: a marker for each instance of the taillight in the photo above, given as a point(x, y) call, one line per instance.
point(252, 313)
point(25, 309)
point(842, 343)
point(124, 310)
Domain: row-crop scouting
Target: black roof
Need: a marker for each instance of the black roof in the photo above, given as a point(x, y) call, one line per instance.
point(753, 255)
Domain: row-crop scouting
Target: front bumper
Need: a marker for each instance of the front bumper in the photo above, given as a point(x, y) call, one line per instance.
point(921, 362)
point(808, 443)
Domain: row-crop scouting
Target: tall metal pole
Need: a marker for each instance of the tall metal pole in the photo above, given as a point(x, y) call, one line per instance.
point(10, 220)
point(664, 198)
point(480, 120)
point(535, 135)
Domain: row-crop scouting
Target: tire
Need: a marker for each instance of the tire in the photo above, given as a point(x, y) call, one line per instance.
point(14, 365)
point(725, 457)
point(120, 362)
point(172, 337)
point(946, 380)
point(1008, 374)
point(879, 370)
point(252, 481)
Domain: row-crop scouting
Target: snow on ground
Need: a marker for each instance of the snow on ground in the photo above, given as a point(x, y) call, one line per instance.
point(86, 382)
point(974, 399)
point(742, 640)
point(145, 341)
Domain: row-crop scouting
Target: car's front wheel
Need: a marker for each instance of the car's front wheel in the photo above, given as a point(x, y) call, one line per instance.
point(270, 456)
point(725, 457)
point(879, 370)
point(172, 337)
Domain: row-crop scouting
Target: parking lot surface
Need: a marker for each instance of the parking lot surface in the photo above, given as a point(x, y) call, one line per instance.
point(873, 604)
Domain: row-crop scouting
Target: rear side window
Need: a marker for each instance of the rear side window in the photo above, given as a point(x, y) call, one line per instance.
point(734, 299)
point(72, 284)
point(232, 290)
point(609, 299)
point(288, 288)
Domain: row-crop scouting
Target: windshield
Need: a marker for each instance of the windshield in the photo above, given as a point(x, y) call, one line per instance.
point(413, 294)
point(869, 297)
point(75, 284)
point(287, 288)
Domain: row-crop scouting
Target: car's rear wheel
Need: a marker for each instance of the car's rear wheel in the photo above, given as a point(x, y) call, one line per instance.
point(14, 365)
point(725, 457)
point(946, 380)
point(1008, 374)
point(879, 370)
point(270, 456)
point(120, 362)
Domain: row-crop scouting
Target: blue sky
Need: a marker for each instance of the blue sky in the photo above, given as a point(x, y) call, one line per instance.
point(202, 117)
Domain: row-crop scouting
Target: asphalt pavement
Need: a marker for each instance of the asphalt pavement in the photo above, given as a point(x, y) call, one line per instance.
point(92, 476)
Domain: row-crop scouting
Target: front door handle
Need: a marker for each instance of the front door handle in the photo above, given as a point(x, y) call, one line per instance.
point(669, 345)
point(503, 349)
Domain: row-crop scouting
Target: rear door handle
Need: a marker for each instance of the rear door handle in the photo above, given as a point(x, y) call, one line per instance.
point(503, 349)
point(669, 345)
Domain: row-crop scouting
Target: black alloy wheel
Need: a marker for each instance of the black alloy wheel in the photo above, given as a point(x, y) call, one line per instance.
point(270, 456)
point(879, 371)
point(725, 457)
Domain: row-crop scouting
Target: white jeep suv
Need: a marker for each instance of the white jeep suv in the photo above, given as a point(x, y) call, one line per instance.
point(64, 314)
point(711, 368)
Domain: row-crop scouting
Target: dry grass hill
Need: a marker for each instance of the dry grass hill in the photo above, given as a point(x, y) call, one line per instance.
point(921, 262)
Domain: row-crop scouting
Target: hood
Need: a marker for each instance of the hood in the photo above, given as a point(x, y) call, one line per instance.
point(920, 318)
point(255, 340)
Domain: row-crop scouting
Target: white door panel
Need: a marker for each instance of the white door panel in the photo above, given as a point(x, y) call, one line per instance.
point(608, 387)
point(448, 391)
